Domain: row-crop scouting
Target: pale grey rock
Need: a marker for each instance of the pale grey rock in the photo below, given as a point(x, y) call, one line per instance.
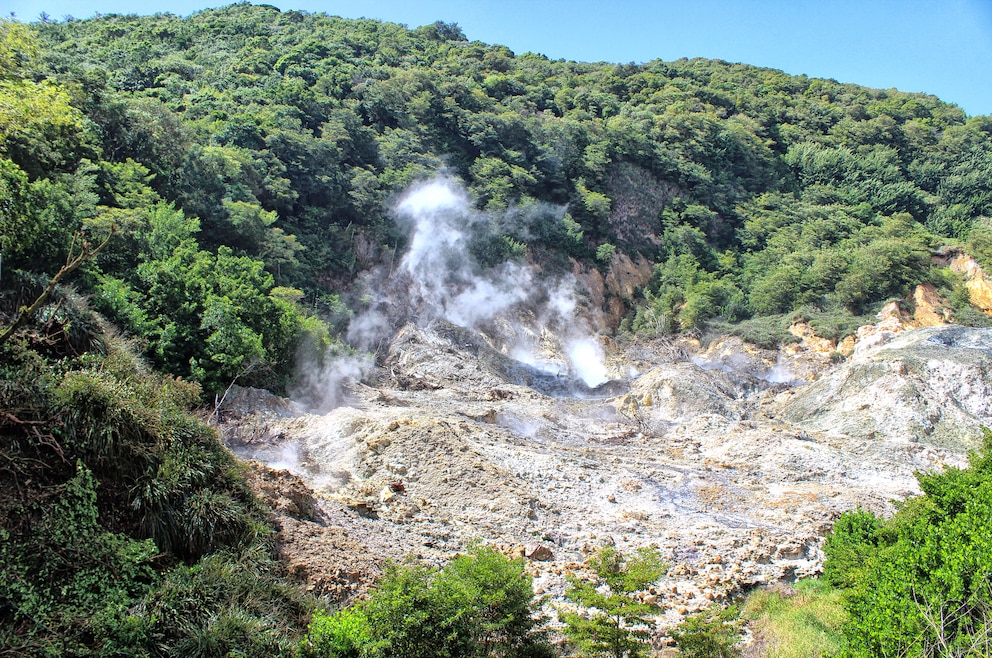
point(931, 385)
point(736, 478)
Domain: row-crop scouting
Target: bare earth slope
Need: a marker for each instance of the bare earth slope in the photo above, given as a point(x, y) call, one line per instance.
point(734, 477)
point(931, 385)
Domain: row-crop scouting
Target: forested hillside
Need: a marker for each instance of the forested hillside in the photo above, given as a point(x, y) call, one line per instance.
point(264, 147)
point(186, 203)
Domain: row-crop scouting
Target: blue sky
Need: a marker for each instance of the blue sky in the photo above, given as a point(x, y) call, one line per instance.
point(940, 47)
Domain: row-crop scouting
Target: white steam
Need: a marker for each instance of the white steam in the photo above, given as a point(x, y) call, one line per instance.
point(485, 299)
point(446, 280)
point(439, 278)
point(524, 351)
point(583, 350)
point(742, 364)
point(780, 374)
point(586, 357)
point(322, 387)
point(561, 299)
point(287, 458)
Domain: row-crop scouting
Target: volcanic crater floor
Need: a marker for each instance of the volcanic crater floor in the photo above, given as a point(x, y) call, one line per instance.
point(442, 445)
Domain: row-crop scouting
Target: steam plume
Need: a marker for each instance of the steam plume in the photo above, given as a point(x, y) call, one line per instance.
point(321, 387)
point(439, 278)
point(447, 281)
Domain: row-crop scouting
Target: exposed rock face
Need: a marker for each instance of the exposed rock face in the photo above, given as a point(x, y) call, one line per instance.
point(637, 196)
point(667, 394)
point(726, 459)
point(931, 385)
point(811, 342)
point(976, 280)
point(626, 276)
point(616, 291)
point(931, 309)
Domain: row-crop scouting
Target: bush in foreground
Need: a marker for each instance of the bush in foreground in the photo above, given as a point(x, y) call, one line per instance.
point(919, 583)
point(614, 622)
point(480, 604)
point(712, 633)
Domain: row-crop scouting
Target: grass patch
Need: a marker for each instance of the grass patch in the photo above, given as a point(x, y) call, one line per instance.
point(766, 331)
point(772, 331)
point(800, 622)
point(832, 324)
point(970, 316)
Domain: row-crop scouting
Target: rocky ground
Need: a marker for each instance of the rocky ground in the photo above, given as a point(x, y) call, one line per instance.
point(734, 461)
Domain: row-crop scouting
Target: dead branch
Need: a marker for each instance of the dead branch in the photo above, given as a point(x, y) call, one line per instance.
point(17, 421)
point(73, 261)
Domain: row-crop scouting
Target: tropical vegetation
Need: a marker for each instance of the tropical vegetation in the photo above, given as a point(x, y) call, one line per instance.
point(190, 202)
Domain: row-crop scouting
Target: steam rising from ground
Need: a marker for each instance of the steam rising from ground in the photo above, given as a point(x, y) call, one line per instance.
point(445, 279)
point(586, 356)
point(780, 374)
point(533, 319)
point(741, 364)
point(439, 278)
point(321, 387)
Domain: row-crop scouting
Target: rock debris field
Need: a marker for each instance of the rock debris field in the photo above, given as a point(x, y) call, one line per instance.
point(734, 461)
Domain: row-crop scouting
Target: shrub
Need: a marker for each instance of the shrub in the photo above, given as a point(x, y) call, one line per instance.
point(605, 253)
point(480, 604)
point(343, 634)
point(108, 482)
point(918, 584)
point(229, 603)
point(767, 331)
point(64, 569)
point(853, 538)
point(832, 323)
point(980, 244)
point(712, 633)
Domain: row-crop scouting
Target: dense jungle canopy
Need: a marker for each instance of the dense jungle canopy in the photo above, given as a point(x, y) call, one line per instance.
point(259, 151)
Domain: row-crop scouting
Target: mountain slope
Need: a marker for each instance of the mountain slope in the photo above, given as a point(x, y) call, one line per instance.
point(288, 136)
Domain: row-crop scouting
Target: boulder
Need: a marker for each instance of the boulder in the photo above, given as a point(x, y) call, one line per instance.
point(538, 552)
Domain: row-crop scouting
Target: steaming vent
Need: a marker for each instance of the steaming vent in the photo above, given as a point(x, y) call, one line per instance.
point(495, 354)
point(563, 384)
point(510, 317)
point(750, 373)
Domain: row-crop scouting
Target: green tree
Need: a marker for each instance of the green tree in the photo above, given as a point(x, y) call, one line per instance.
point(29, 108)
point(213, 317)
point(480, 604)
point(712, 633)
point(21, 219)
point(613, 623)
point(918, 584)
point(605, 253)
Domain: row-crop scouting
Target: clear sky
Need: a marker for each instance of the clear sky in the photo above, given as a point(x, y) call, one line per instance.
point(940, 47)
